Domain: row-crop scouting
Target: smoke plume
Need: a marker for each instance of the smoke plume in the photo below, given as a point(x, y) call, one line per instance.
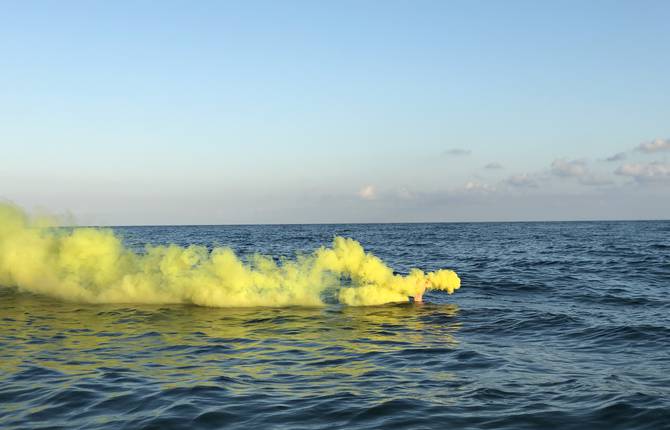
point(92, 265)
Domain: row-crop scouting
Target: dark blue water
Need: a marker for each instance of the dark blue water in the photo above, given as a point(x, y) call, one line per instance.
point(557, 325)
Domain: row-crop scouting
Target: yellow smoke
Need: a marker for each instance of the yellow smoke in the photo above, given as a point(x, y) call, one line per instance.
point(92, 265)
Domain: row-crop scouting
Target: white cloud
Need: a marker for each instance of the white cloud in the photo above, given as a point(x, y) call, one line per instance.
point(368, 192)
point(493, 166)
point(577, 169)
point(457, 152)
point(569, 168)
point(655, 145)
point(655, 171)
point(477, 187)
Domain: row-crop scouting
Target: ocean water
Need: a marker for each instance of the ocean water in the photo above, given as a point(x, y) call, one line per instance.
point(556, 325)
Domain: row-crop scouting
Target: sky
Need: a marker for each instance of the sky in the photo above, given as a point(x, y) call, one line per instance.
point(175, 112)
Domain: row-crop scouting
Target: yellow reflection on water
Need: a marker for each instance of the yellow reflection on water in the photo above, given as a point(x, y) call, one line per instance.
point(299, 351)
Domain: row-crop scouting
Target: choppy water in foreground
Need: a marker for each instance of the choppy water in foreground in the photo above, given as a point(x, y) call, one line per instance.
point(557, 325)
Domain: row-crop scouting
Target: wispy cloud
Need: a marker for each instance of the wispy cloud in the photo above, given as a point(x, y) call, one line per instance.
point(368, 192)
point(477, 187)
point(493, 166)
point(579, 170)
point(521, 181)
point(654, 171)
point(616, 157)
point(458, 152)
point(655, 145)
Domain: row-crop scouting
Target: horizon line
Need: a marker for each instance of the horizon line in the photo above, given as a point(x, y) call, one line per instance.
point(367, 223)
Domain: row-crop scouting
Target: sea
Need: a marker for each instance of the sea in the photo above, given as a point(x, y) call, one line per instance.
point(557, 325)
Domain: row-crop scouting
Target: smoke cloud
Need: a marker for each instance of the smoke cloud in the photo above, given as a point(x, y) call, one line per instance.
point(92, 265)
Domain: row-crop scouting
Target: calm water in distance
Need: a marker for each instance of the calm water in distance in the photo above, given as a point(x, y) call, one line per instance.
point(557, 325)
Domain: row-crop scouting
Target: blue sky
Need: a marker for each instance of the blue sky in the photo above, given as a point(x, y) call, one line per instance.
point(220, 112)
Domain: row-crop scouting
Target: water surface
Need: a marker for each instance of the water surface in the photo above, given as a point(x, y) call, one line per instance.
point(557, 325)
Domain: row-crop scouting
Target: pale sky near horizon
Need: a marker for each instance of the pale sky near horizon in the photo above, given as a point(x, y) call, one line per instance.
point(205, 112)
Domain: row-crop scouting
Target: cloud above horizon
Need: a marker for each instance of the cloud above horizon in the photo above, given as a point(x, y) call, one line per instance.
point(566, 177)
point(620, 156)
point(478, 187)
point(656, 145)
point(521, 181)
point(649, 172)
point(458, 152)
point(569, 168)
point(579, 170)
point(368, 192)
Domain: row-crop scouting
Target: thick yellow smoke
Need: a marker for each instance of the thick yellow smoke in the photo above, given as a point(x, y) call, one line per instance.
point(92, 265)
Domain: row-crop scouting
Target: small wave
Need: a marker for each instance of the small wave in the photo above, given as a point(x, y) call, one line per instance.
point(619, 300)
point(621, 335)
point(529, 323)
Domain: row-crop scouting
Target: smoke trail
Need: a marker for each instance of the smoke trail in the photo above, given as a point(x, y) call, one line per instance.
point(92, 265)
